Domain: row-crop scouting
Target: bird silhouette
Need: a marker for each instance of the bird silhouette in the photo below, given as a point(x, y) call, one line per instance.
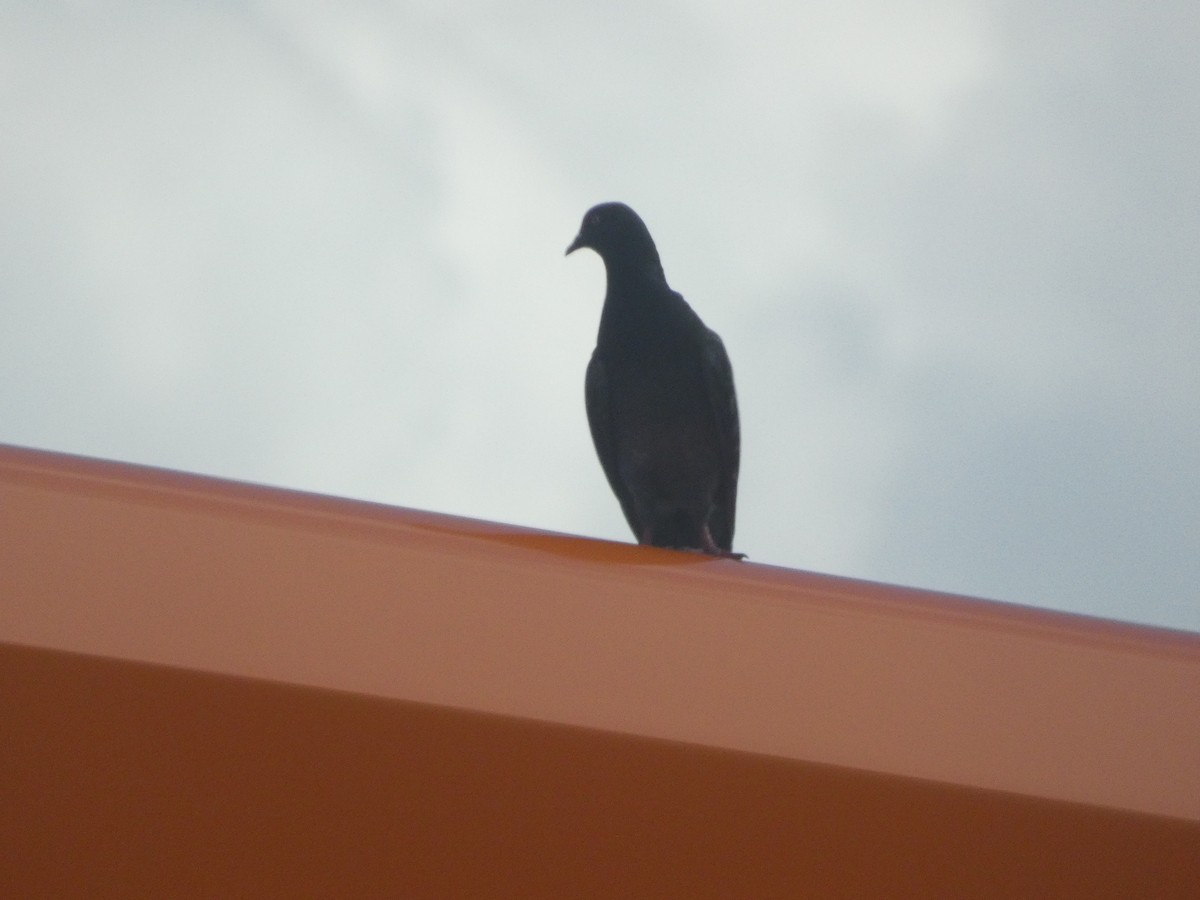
point(660, 397)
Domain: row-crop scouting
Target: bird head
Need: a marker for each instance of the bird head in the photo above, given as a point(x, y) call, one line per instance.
point(615, 232)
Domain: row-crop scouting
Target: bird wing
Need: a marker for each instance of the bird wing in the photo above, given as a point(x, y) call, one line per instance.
point(596, 396)
point(718, 379)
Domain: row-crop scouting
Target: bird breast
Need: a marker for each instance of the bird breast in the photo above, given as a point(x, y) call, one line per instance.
point(664, 428)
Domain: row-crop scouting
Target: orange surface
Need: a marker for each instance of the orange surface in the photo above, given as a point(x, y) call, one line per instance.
point(215, 689)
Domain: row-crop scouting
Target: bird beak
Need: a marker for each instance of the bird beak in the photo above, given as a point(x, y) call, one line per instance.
point(576, 244)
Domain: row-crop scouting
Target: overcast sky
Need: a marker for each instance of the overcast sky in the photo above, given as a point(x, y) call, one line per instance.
point(952, 248)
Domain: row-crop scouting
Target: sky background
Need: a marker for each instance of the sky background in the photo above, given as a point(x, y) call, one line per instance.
point(952, 249)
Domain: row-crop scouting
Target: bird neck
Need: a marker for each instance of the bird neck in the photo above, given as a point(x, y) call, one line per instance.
point(635, 304)
point(644, 270)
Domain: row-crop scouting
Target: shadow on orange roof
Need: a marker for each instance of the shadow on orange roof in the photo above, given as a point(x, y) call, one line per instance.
point(215, 689)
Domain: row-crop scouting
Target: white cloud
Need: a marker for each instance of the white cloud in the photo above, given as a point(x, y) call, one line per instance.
point(949, 247)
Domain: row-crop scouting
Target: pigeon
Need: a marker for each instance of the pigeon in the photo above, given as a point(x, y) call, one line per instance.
point(660, 399)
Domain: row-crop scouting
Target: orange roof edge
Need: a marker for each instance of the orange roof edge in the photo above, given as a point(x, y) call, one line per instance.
point(199, 595)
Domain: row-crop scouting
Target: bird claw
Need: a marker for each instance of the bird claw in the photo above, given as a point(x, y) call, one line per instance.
point(724, 554)
point(710, 550)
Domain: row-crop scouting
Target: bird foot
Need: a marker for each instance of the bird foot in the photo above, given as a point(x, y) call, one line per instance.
point(726, 554)
point(710, 547)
